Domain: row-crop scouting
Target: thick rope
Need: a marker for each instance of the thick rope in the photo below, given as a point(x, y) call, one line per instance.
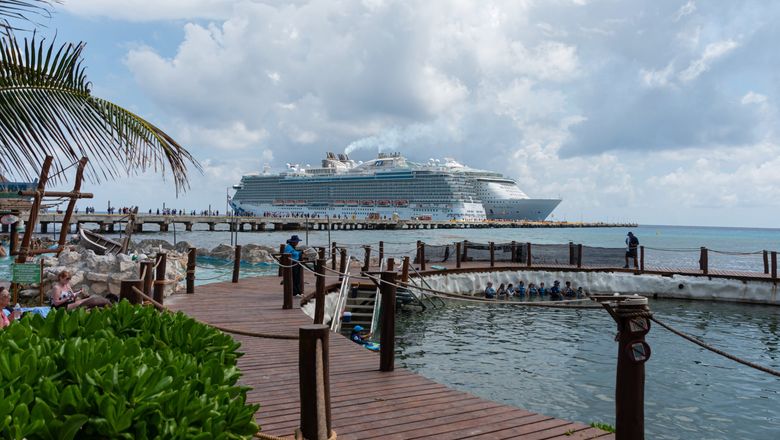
point(715, 350)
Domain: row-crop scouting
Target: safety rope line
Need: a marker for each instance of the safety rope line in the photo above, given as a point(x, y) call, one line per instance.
point(716, 350)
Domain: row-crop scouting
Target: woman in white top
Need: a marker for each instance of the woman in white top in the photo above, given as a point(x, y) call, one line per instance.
point(63, 295)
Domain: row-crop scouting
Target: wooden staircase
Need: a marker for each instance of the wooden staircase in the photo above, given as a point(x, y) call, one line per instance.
point(360, 302)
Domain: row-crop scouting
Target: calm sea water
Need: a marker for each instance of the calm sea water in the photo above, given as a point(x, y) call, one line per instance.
point(562, 363)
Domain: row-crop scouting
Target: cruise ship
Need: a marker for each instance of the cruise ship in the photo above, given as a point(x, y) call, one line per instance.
point(389, 186)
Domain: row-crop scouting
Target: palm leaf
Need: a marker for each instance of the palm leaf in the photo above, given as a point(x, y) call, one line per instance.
point(46, 108)
point(20, 10)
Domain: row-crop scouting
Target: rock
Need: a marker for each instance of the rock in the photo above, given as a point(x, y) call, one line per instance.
point(183, 247)
point(113, 288)
point(98, 288)
point(256, 256)
point(223, 251)
point(203, 252)
point(97, 277)
point(124, 258)
point(152, 245)
point(69, 258)
point(76, 278)
point(29, 293)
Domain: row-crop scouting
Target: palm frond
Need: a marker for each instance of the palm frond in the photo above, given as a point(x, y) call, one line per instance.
point(21, 10)
point(46, 108)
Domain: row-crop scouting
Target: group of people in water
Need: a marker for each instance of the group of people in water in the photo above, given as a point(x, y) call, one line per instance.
point(520, 290)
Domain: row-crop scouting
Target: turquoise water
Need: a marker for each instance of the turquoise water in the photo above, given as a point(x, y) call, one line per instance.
point(562, 363)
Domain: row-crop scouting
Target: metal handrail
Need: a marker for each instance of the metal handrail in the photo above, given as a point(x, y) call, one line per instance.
point(341, 301)
point(377, 301)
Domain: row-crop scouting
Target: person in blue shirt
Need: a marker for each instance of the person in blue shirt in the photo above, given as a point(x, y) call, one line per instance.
point(296, 270)
point(542, 290)
point(490, 292)
point(555, 291)
point(568, 292)
point(357, 335)
point(532, 289)
point(520, 289)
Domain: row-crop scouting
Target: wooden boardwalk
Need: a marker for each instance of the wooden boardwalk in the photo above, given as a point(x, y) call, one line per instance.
point(366, 403)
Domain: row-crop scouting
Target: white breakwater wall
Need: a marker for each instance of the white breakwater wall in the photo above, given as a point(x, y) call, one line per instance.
point(595, 282)
point(330, 306)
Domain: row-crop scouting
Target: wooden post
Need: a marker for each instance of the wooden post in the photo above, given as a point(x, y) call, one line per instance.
point(457, 255)
point(571, 253)
point(492, 254)
point(513, 251)
point(236, 263)
point(314, 381)
point(417, 257)
point(766, 262)
point(465, 250)
point(387, 337)
point(319, 305)
point(703, 261)
point(342, 263)
point(126, 291)
point(21, 256)
point(320, 252)
point(381, 250)
point(40, 284)
point(391, 264)
point(333, 251)
point(71, 204)
point(579, 255)
point(191, 254)
point(405, 270)
point(633, 351)
point(14, 246)
point(422, 255)
point(281, 251)
point(642, 258)
point(287, 280)
point(774, 266)
point(147, 273)
point(366, 258)
point(528, 257)
point(159, 283)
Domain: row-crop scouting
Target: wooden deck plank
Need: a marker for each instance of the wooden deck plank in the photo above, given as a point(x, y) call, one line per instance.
point(365, 403)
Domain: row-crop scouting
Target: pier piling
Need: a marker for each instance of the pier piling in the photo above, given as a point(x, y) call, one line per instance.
point(642, 258)
point(465, 250)
point(422, 255)
point(236, 263)
point(126, 290)
point(287, 281)
point(333, 256)
point(146, 273)
point(159, 278)
point(366, 258)
point(319, 305)
point(405, 270)
point(281, 251)
point(381, 250)
point(391, 264)
point(342, 263)
point(457, 255)
point(774, 266)
point(633, 352)
point(579, 255)
point(703, 263)
point(766, 262)
point(191, 255)
point(314, 381)
point(387, 337)
point(528, 255)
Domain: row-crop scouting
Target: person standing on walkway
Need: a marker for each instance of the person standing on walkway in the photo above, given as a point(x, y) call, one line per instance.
point(296, 258)
point(631, 244)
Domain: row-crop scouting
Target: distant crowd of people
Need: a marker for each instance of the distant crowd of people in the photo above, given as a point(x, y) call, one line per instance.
point(520, 290)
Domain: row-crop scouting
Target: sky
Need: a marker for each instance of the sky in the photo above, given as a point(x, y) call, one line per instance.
point(653, 111)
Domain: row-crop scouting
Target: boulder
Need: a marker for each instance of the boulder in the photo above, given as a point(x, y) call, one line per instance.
point(98, 288)
point(203, 252)
point(256, 255)
point(183, 247)
point(223, 251)
point(97, 277)
point(69, 258)
point(152, 245)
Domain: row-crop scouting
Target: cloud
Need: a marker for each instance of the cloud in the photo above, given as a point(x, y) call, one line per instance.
point(685, 10)
point(152, 10)
point(712, 52)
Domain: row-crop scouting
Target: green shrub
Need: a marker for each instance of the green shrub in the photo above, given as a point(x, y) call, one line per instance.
point(121, 372)
point(603, 426)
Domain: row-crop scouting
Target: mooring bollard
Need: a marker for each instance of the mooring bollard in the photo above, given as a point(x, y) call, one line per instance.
point(405, 270)
point(159, 278)
point(528, 257)
point(342, 263)
point(314, 381)
point(146, 273)
point(457, 255)
point(236, 263)
point(633, 321)
point(319, 293)
point(366, 258)
point(703, 263)
point(191, 254)
point(126, 290)
point(287, 281)
point(422, 255)
point(387, 337)
point(492, 247)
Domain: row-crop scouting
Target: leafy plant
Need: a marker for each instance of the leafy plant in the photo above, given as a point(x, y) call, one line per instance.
point(121, 372)
point(602, 426)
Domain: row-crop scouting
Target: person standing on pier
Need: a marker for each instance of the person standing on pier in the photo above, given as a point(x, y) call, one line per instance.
point(296, 257)
point(631, 245)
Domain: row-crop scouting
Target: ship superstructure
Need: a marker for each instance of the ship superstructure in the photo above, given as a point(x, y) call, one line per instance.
point(389, 186)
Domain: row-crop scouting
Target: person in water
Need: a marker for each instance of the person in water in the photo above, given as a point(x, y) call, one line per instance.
point(358, 336)
point(568, 292)
point(296, 269)
point(532, 289)
point(510, 290)
point(631, 244)
point(501, 290)
point(542, 290)
point(490, 292)
point(520, 289)
point(555, 291)
point(581, 293)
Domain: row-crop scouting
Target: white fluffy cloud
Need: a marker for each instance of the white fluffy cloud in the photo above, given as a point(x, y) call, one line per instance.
point(609, 105)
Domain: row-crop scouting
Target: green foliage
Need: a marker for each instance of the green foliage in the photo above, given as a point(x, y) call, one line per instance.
point(602, 426)
point(122, 372)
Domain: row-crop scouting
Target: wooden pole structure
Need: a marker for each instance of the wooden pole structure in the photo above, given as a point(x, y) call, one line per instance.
point(513, 247)
point(391, 264)
point(766, 262)
point(21, 256)
point(147, 273)
point(528, 257)
point(642, 258)
point(281, 251)
point(366, 258)
point(774, 266)
point(191, 255)
point(126, 290)
point(333, 255)
point(314, 381)
point(422, 255)
point(159, 283)
point(342, 263)
point(579, 255)
point(492, 254)
point(571, 253)
point(40, 284)
point(405, 270)
point(703, 261)
point(319, 305)
point(14, 245)
point(465, 250)
point(417, 256)
point(633, 352)
point(381, 250)
point(320, 252)
point(129, 231)
point(287, 281)
point(457, 255)
point(387, 337)
point(65, 227)
point(236, 263)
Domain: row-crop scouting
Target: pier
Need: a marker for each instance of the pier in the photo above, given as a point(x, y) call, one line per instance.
point(163, 223)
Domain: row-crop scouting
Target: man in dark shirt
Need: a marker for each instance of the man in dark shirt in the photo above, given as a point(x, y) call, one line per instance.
point(631, 244)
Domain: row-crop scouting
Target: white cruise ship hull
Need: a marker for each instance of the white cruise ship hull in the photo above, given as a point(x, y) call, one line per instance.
point(520, 209)
point(467, 212)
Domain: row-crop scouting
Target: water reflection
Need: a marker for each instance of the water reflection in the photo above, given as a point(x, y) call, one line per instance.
point(562, 363)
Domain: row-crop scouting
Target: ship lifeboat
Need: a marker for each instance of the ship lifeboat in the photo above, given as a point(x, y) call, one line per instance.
point(384, 203)
point(352, 202)
point(367, 203)
point(339, 203)
point(278, 202)
point(401, 203)
point(289, 202)
point(300, 202)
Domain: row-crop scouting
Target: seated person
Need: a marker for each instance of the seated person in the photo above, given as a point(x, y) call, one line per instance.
point(542, 290)
point(568, 292)
point(555, 291)
point(581, 293)
point(501, 290)
point(490, 292)
point(5, 299)
point(532, 289)
point(62, 294)
point(357, 336)
point(510, 290)
point(520, 289)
